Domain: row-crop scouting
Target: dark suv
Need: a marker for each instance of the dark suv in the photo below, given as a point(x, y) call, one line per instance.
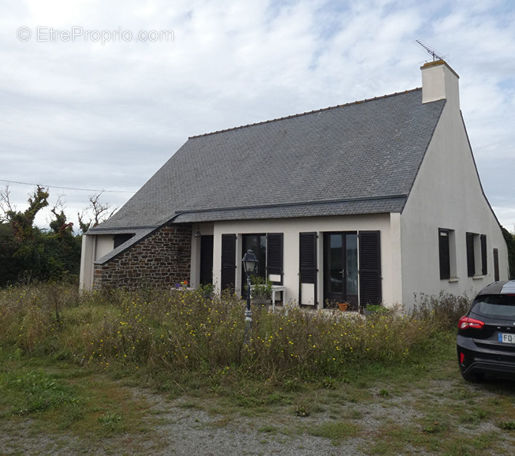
point(486, 334)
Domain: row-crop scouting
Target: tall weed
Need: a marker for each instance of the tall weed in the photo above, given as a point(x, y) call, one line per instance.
point(443, 311)
point(193, 331)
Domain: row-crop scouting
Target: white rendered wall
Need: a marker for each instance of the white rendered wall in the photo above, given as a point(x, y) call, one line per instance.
point(447, 194)
point(390, 256)
point(104, 244)
point(93, 247)
point(87, 257)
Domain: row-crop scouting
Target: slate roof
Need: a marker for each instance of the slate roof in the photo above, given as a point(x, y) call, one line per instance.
point(356, 158)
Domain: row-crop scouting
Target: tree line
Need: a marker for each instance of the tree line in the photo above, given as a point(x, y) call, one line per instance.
point(29, 253)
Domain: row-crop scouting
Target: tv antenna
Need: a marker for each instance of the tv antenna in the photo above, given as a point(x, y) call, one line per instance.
point(430, 51)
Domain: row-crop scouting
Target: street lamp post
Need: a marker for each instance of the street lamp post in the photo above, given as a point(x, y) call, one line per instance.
point(250, 262)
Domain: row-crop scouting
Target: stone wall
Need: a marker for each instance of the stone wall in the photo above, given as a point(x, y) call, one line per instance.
point(160, 260)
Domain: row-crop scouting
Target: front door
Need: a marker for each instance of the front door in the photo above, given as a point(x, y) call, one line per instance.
point(341, 269)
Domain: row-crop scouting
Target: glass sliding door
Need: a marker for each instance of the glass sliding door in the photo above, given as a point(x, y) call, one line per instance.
point(340, 269)
point(351, 266)
point(335, 266)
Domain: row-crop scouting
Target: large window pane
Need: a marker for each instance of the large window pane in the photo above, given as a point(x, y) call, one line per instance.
point(444, 254)
point(352, 264)
point(336, 263)
point(257, 243)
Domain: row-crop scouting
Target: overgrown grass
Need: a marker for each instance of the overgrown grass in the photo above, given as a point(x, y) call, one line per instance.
point(183, 331)
point(336, 431)
point(36, 391)
point(59, 396)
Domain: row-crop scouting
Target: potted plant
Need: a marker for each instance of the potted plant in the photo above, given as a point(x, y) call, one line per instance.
point(261, 290)
point(343, 306)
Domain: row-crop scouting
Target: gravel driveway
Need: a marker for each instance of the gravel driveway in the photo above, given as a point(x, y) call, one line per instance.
point(180, 427)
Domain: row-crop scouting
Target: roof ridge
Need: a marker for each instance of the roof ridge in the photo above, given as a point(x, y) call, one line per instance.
point(306, 113)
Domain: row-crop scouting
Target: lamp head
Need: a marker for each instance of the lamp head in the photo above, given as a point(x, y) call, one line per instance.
point(250, 262)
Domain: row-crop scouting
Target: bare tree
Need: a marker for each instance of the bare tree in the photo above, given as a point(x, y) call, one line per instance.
point(97, 211)
point(6, 206)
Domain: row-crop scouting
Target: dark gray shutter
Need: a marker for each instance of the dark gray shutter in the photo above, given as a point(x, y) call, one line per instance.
point(308, 262)
point(308, 257)
point(228, 260)
point(470, 254)
point(206, 260)
point(484, 268)
point(370, 287)
point(274, 254)
point(443, 244)
point(496, 265)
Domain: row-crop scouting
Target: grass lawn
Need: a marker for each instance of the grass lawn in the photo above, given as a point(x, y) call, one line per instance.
point(46, 405)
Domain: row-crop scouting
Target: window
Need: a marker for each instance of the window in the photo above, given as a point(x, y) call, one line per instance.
point(269, 252)
point(256, 243)
point(268, 249)
point(502, 306)
point(443, 244)
point(476, 254)
point(447, 253)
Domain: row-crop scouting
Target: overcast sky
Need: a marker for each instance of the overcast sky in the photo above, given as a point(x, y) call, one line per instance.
point(99, 94)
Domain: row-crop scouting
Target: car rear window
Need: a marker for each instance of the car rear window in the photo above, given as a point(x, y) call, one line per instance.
point(495, 305)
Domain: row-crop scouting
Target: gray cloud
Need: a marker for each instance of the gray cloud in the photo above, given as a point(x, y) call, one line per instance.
point(107, 116)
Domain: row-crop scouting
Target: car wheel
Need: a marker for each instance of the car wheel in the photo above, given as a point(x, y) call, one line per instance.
point(472, 377)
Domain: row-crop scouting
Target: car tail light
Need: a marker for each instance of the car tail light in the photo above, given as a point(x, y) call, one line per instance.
point(467, 322)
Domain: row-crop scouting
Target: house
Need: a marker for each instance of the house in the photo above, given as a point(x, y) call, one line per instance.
point(366, 202)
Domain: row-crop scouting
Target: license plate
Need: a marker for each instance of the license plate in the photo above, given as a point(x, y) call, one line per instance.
point(507, 338)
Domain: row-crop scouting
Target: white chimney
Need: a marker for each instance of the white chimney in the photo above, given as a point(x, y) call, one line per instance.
point(440, 81)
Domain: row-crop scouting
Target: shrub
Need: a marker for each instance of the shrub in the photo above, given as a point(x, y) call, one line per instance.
point(443, 311)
